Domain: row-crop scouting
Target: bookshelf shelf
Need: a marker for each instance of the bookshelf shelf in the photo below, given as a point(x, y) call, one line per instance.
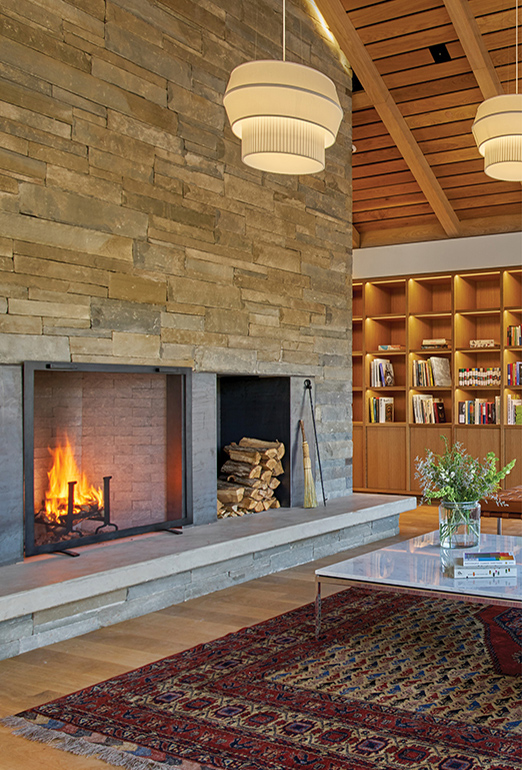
point(479, 351)
point(488, 388)
point(428, 388)
point(454, 308)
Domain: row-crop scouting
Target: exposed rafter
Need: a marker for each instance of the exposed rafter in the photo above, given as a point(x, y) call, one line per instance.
point(358, 56)
point(476, 52)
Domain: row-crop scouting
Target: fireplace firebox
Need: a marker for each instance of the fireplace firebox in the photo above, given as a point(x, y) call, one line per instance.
point(106, 452)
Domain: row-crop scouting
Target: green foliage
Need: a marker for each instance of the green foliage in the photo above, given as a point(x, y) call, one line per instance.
point(457, 477)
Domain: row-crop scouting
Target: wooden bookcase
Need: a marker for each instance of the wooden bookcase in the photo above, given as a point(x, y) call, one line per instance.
point(404, 311)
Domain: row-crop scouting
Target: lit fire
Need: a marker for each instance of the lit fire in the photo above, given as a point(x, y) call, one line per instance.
point(64, 470)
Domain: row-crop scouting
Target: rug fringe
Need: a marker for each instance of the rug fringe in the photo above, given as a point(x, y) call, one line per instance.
point(80, 746)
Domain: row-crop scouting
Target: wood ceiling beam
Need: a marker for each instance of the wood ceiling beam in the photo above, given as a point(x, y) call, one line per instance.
point(350, 42)
point(476, 52)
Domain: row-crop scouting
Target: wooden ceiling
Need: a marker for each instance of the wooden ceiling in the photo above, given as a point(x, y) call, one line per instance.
point(417, 173)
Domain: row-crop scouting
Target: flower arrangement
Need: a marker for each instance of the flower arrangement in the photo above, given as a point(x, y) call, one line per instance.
point(456, 477)
point(459, 481)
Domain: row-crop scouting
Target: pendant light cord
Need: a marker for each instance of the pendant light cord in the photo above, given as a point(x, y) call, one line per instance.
point(284, 30)
point(516, 47)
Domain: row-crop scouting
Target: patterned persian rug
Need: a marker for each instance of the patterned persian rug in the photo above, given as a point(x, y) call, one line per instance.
point(395, 682)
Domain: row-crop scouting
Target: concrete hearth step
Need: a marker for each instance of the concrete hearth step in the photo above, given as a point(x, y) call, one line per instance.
point(46, 599)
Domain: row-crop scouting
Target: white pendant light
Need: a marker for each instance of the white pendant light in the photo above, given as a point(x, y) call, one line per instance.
point(285, 114)
point(498, 130)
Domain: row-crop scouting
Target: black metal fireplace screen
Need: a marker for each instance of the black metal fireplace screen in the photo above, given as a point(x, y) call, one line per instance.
point(126, 426)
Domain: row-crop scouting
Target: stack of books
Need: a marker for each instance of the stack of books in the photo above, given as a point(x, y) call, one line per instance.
point(427, 409)
point(514, 373)
point(392, 347)
point(514, 410)
point(433, 372)
point(487, 565)
point(382, 374)
point(479, 411)
point(514, 336)
point(480, 377)
point(436, 342)
point(381, 409)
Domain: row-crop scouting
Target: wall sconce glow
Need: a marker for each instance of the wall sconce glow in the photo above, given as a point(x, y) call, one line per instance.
point(285, 114)
point(498, 133)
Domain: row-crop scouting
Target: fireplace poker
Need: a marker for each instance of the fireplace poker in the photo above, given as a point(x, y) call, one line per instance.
point(308, 387)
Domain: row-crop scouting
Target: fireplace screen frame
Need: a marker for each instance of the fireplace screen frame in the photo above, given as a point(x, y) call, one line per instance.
point(179, 430)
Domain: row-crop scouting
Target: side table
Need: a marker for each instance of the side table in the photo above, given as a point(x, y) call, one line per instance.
point(512, 508)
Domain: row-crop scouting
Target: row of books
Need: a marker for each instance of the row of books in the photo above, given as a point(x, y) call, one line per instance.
point(514, 373)
point(480, 564)
point(480, 376)
point(514, 335)
point(427, 409)
point(381, 373)
point(514, 410)
point(478, 411)
point(433, 372)
point(381, 409)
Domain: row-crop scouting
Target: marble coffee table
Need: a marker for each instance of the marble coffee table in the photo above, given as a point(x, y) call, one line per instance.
point(420, 565)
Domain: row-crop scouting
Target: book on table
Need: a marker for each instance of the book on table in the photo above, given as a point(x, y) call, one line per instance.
point(487, 558)
point(487, 564)
point(491, 571)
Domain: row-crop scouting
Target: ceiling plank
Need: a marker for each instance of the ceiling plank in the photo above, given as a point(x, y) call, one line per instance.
point(371, 182)
point(486, 202)
point(347, 37)
point(478, 56)
point(425, 231)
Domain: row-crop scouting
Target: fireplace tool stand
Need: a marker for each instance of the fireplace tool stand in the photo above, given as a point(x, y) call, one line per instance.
point(308, 387)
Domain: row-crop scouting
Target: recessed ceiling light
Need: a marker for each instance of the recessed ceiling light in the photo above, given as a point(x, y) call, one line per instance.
point(440, 53)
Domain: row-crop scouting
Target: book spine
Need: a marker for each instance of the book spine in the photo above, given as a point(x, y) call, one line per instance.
point(484, 572)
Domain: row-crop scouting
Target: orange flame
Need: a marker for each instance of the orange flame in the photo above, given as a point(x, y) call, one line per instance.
point(63, 471)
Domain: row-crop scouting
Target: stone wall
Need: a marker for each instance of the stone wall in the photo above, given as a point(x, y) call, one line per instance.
point(130, 231)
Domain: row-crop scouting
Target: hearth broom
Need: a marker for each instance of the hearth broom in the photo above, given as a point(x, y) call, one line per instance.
point(308, 387)
point(310, 499)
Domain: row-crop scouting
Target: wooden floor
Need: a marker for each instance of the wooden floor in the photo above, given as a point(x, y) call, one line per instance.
point(41, 675)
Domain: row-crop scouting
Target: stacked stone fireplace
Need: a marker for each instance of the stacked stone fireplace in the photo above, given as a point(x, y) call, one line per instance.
point(132, 235)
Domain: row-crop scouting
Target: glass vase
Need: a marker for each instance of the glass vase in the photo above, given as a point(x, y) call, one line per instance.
point(459, 524)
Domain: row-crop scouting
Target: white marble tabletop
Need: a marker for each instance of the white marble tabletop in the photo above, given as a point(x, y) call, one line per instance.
point(420, 563)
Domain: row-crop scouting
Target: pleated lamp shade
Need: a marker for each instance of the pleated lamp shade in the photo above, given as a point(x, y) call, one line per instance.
point(285, 114)
point(498, 133)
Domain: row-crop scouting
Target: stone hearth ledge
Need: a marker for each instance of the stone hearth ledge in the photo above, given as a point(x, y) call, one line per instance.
point(47, 599)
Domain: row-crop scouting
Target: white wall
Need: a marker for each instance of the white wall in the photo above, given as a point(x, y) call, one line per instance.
point(437, 256)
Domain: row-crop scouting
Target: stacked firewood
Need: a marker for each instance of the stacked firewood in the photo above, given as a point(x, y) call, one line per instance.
point(248, 479)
